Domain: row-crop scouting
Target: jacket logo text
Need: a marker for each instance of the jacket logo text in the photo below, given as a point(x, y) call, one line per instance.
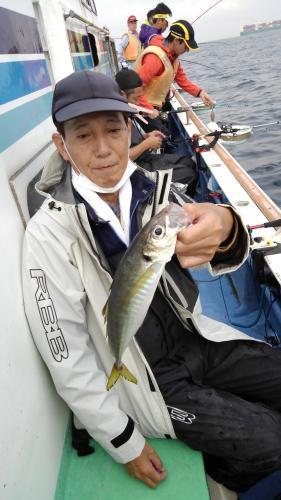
point(48, 317)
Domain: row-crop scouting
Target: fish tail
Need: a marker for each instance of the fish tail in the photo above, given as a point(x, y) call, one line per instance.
point(116, 373)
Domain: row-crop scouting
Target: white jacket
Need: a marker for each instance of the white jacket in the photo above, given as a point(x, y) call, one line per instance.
point(66, 283)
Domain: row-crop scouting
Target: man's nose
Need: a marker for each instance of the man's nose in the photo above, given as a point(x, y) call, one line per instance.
point(101, 147)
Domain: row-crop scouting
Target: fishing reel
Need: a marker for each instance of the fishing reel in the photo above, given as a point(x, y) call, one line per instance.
point(203, 148)
point(227, 128)
point(262, 270)
point(262, 247)
point(164, 115)
point(223, 129)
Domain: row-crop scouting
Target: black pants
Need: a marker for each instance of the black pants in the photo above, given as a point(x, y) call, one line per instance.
point(225, 400)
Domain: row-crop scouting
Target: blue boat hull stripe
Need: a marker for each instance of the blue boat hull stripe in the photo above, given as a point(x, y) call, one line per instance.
point(18, 79)
point(4, 108)
point(16, 123)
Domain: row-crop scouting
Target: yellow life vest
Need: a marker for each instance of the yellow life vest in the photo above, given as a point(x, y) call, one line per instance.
point(158, 88)
point(133, 48)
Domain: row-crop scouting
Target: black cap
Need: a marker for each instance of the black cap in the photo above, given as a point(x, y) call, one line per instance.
point(86, 92)
point(183, 30)
point(128, 79)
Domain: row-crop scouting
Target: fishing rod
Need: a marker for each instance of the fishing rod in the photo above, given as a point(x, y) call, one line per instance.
point(228, 129)
point(224, 102)
point(267, 124)
point(273, 223)
point(205, 12)
point(195, 62)
point(231, 104)
point(164, 115)
point(216, 134)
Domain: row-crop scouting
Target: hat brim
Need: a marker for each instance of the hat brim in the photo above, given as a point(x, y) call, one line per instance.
point(87, 106)
point(191, 44)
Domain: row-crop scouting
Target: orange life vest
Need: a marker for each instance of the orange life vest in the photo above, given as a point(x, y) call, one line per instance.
point(133, 48)
point(157, 89)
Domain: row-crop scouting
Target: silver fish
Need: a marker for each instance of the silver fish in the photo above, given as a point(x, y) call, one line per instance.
point(136, 280)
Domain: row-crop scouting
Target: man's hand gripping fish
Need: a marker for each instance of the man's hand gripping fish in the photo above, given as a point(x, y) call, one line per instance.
point(136, 280)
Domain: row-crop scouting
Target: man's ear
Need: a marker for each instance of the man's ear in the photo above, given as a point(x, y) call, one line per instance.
point(58, 142)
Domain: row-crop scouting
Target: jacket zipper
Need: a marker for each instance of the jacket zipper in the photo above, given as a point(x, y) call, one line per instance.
point(156, 194)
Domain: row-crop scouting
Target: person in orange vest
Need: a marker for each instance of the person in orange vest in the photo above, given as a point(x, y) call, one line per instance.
point(129, 47)
point(158, 66)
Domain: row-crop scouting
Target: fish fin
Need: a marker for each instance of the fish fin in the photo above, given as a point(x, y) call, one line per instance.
point(125, 373)
point(116, 373)
point(105, 311)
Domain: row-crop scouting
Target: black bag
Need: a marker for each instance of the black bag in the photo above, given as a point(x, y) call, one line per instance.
point(184, 168)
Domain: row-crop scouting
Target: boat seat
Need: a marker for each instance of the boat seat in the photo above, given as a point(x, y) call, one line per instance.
point(98, 476)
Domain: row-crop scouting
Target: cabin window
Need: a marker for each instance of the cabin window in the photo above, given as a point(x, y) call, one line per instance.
point(90, 5)
point(93, 48)
point(82, 53)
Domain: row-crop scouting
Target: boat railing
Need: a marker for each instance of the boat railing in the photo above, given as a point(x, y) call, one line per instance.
point(270, 210)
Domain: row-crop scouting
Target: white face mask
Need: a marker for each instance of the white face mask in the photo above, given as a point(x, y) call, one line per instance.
point(84, 182)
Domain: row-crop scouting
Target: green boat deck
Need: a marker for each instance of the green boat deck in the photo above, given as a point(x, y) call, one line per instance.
point(99, 477)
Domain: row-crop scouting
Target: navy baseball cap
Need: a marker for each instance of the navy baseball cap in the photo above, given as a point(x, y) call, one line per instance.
point(87, 92)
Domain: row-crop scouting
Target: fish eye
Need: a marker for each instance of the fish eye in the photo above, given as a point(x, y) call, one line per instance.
point(158, 231)
point(147, 258)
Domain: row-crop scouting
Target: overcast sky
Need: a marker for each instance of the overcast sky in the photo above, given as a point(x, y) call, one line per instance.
point(223, 21)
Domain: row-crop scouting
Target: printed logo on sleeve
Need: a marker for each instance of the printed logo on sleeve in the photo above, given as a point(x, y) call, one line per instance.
point(183, 416)
point(48, 317)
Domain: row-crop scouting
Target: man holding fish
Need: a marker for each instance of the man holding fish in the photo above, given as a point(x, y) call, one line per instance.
point(134, 357)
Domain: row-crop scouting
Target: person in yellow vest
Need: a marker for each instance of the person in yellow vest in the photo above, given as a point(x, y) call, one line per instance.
point(158, 66)
point(129, 47)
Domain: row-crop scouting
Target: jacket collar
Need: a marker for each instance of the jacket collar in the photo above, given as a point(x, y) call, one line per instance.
point(55, 180)
point(142, 188)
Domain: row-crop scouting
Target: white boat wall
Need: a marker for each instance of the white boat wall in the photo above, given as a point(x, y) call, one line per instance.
point(40, 43)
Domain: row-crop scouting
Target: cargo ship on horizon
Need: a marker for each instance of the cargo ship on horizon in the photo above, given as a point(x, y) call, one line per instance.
point(249, 29)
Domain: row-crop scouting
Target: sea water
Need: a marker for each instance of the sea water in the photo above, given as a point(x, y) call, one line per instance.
point(244, 77)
